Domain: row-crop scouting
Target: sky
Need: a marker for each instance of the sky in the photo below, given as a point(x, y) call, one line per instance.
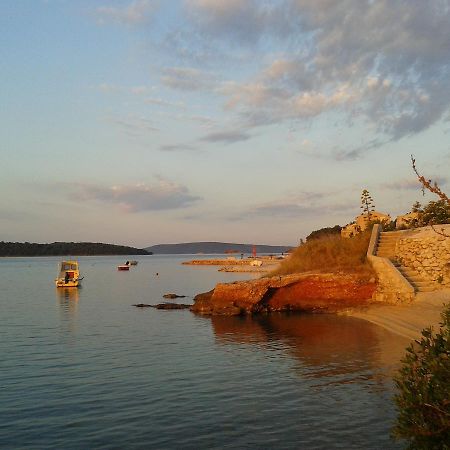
point(148, 121)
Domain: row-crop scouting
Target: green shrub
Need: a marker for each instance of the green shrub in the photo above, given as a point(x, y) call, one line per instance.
point(435, 212)
point(423, 398)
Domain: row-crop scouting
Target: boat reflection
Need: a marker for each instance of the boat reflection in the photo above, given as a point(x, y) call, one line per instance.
point(336, 348)
point(68, 296)
point(68, 300)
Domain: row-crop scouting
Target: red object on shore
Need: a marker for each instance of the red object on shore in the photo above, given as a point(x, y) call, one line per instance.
point(254, 251)
point(123, 267)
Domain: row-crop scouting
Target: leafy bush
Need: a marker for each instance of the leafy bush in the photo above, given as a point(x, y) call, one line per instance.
point(435, 213)
point(423, 382)
point(330, 253)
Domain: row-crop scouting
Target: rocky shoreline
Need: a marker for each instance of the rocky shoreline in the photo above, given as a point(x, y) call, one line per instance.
point(308, 292)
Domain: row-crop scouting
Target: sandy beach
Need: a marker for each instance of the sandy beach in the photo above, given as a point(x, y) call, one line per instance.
point(409, 320)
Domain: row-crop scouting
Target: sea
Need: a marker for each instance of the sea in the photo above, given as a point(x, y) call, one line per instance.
point(85, 369)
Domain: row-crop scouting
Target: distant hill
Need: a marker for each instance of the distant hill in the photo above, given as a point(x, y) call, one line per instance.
point(66, 249)
point(214, 247)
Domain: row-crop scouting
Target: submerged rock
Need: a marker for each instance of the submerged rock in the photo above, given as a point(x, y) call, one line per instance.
point(171, 306)
point(165, 305)
point(172, 296)
point(299, 292)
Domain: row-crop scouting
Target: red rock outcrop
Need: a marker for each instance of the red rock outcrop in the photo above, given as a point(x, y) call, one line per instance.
point(299, 292)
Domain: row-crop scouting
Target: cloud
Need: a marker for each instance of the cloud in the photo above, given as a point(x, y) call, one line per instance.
point(357, 152)
point(136, 12)
point(384, 63)
point(310, 204)
point(108, 88)
point(164, 195)
point(177, 147)
point(162, 102)
point(411, 184)
point(261, 104)
point(293, 210)
point(134, 125)
point(238, 20)
point(226, 137)
point(11, 215)
point(187, 79)
point(288, 210)
point(141, 90)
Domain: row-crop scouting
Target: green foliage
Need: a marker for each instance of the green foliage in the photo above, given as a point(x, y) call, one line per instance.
point(435, 213)
point(323, 232)
point(389, 226)
point(417, 207)
point(330, 253)
point(423, 398)
point(66, 248)
point(367, 203)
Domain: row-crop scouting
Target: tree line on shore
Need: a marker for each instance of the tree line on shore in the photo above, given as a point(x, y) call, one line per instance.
point(67, 248)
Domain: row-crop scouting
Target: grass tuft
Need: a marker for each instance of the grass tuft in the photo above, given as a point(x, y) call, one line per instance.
point(330, 253)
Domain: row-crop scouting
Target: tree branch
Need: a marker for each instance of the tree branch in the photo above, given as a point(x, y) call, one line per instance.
point(428, 184)
point(435, 189)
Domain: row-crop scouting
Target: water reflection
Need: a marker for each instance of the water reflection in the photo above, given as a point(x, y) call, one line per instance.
point(340, 349)
point(68, 300)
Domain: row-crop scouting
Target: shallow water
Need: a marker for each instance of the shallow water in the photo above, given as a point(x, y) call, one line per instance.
point(84, 369)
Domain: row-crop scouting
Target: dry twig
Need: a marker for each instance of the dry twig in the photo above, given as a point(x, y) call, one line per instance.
point(435, 189)
point(428, 184)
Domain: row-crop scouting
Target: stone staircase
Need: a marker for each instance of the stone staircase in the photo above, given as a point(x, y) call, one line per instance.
point(386, 244)
point(386, 249)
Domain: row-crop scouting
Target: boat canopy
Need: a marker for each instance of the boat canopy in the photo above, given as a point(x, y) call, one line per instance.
point(69, 265)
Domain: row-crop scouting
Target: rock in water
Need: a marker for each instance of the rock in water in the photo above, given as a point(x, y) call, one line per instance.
point(165, 305)
point(172, 296)
point(299, 292)
point(172, 306)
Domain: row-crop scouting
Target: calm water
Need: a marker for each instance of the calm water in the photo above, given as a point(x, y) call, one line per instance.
point(83, 369)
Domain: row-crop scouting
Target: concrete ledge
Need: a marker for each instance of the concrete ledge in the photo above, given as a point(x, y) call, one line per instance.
point(393, 286)
point(376, 230)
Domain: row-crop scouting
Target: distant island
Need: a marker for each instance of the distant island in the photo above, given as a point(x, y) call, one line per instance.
point(67, 248)
point(214, 247)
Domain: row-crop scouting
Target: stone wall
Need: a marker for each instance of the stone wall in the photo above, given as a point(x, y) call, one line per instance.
point(427, 252)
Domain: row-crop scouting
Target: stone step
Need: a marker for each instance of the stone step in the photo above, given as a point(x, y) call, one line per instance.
point(410, 273)
point(426, 289)
point(384, 254)
point(413, 275)
point(423, 285)
point(417, 281)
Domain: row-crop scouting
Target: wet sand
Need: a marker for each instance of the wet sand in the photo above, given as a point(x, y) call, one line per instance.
point(409, 320)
